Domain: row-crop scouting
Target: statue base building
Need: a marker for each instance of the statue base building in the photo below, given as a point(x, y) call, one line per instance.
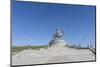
point(57, 42)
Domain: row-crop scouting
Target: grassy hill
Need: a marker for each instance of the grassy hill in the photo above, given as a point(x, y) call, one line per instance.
point(20, 48)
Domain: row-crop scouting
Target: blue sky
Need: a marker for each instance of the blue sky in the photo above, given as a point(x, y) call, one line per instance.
point(35, 23)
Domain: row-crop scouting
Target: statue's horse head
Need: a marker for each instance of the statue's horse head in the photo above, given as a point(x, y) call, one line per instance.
point(60, 34)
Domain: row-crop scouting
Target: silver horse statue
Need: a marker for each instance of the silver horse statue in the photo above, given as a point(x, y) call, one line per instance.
point(59, 33)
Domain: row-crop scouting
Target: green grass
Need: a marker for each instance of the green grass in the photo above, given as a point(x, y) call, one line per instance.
point(20, 48)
